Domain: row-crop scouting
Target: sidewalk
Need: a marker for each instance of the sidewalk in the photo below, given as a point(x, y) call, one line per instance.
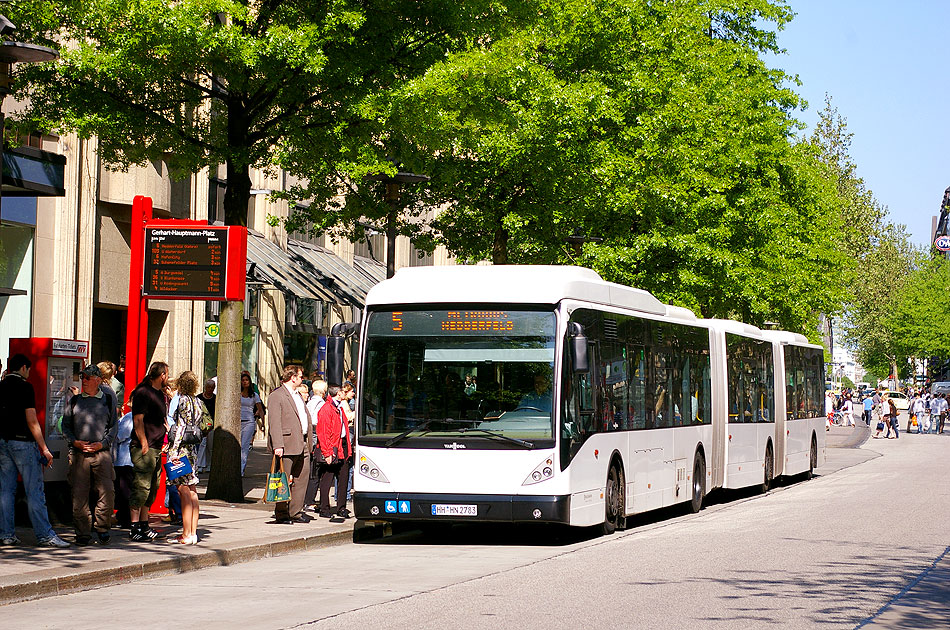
point(230, 533)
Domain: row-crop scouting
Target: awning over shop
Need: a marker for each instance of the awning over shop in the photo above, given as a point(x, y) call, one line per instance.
point(275, 266)
point(374, 271)
point(349, 284)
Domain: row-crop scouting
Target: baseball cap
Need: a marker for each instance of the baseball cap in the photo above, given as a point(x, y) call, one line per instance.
point(91, 370)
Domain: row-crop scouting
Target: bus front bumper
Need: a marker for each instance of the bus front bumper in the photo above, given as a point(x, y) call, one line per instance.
point(497, 508)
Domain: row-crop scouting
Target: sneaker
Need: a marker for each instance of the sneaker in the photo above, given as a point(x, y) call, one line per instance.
point(145, 535)
point(82, 540)
point(9, 540)
point(103, 538)
point(53, 541)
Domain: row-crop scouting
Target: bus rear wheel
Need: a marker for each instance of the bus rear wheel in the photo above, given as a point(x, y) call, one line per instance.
point(699, 484)
point(769, 469)
point(812, 459)
point(614, 509)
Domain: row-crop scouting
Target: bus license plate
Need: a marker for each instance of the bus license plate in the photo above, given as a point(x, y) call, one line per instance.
point(441, 509)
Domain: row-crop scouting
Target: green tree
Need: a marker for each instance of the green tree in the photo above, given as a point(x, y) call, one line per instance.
point(250, 85)
point(920, 314)
point(655, 126)
point(882, 255)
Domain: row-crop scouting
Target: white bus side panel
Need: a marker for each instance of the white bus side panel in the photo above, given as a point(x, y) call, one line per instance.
point(746, 453)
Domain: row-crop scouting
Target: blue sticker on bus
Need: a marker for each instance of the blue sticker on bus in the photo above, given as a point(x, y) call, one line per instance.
point(390, 507)
point(404, 507)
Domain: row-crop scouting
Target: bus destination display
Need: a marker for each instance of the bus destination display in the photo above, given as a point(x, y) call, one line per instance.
point(185, 262)
point(458, 323)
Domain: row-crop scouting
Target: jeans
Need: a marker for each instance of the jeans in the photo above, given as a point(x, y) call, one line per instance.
point(248, 429)
point(23, 457)
point(895, 423)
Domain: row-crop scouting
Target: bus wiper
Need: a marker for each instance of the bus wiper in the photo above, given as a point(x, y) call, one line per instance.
point(424, 426)
point(496, 434)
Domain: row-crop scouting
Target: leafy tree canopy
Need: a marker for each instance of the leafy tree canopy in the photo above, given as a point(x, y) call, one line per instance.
point(655, 126)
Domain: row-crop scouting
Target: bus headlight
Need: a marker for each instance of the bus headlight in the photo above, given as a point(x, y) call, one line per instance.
point(543, 472)
point(370, 470)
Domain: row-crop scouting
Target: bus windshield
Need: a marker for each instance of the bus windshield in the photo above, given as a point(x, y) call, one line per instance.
point(478, 377)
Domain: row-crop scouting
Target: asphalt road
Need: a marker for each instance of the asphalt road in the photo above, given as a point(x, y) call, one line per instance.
point(862, 545)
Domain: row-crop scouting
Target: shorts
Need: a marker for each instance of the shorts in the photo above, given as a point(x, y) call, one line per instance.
point(147, 470)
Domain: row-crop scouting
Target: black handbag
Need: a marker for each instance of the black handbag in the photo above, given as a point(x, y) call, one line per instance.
point(190, 434)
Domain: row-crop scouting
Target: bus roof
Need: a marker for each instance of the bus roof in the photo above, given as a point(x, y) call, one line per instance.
point(790, 338)
point(517, 284)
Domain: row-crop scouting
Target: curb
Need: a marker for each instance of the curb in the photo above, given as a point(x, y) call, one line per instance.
point(121, 572)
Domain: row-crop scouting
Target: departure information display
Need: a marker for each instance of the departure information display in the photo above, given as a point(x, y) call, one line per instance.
point(185, 262)
point(462, 322)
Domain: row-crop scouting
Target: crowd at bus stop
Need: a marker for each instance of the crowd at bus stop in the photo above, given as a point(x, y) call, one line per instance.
point(115, 460)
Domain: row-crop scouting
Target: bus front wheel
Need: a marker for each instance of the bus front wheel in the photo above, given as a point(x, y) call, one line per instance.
point(614, 500)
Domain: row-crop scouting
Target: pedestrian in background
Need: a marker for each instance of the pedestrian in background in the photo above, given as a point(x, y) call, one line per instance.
point(289, 437)
point(938, 412)
point(895, 417)
point(335, 449)
point(22, 449)
point(207, 398)
point(90, 427)
point(252, 415)
point(317, 400)
point(148, 438)
point(107, 370)
point(122, 466)
point(187, 420)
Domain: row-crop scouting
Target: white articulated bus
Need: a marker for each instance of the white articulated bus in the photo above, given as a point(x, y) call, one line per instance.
point(545, 394)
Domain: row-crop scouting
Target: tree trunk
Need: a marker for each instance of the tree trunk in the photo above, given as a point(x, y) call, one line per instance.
point(499, 249)
point(225, 482)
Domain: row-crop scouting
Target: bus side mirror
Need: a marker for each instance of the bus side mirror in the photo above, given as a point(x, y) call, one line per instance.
point(579, 347)
point(335, 351)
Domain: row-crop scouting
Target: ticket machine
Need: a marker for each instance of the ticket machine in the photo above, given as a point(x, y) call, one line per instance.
point(55, 369)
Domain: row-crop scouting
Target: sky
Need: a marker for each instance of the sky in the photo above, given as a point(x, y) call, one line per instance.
point(885, 66)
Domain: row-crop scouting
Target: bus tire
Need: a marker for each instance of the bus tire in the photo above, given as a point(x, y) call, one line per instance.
point(769, 467)
point(699, 484)
point(614, 500)
point(812, 458)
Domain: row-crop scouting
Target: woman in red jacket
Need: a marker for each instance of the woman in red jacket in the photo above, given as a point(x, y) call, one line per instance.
point(335, 448)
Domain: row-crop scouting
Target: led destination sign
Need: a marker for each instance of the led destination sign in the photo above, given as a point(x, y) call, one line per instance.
point(469, 323)
point(185, 262)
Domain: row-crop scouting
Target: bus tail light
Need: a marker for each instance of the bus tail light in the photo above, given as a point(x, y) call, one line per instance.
point(543, 472)
point(370, 470)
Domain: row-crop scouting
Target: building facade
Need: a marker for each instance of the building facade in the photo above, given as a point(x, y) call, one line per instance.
point(66, 255)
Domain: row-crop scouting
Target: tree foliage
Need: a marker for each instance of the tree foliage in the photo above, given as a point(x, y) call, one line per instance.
point(247, 84)
point(883, 256)
point(655, 126)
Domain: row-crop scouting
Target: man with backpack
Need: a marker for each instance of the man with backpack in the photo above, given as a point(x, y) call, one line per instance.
point(90, 426)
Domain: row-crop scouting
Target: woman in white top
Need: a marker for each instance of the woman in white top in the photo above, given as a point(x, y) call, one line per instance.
point(252, 413)
point(847, 410)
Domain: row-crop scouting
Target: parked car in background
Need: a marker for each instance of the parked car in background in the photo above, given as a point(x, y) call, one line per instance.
point(899, 398)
